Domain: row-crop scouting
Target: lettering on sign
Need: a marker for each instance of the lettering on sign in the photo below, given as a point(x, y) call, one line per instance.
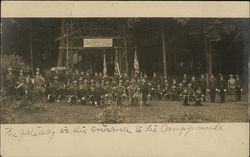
point(100, 42)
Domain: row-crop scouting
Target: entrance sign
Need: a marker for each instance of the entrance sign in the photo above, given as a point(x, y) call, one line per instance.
point(100, 42)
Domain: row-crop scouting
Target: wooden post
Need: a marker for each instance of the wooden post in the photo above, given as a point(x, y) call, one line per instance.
point(164, 52)
point(62, 43)
point(67, 44)
point(125, 48)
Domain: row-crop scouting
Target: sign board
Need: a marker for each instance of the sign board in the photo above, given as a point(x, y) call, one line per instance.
point(98, 42)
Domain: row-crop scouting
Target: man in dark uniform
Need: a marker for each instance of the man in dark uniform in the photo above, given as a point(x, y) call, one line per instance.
point(39, 84)
point(73, 92)
point(10, 83)
point(145, 91)
point(179, 91)
point(98, 94)
point(221, 88)
point(203, 84)
point(185, 80)
point(20, 84)
point(212, 88)
point(174, 90)
point(188, 95)
point(91, 92)
point(154, 82)
point(194, 83)
point(134, 93)
point(238, 88)
point(231, 86)
point(199, 97)
point(165, 90)
point(120, 94)
point(108, 93)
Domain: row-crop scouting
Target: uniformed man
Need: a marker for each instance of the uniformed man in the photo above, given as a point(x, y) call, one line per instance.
point(212, 84)
point(120, 94)
point(91, 92)
point(203, 84)
point(221, 88)
point(98, 94)
point(39, 84)
point(53, 89)
point(134, 93)
point(179, 90)
point(185, 80)
point(188, 95)
point(238, 88)
point(174, 90)
point(199, 97)
point(29, 88)
point(231, 86)
point(194, 83)
point(10, 83)
point(73, 92)
point(108, 93)
point(145, 92)
point(165, 90)
point(20, 84)
point(154, 82)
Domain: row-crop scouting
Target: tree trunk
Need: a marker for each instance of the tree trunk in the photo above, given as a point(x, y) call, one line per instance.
point(164, 52)
point(210, 59)
point(31, 50)
point(61, 51)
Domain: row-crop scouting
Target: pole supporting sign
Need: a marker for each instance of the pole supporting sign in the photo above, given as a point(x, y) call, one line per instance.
point(98, 42)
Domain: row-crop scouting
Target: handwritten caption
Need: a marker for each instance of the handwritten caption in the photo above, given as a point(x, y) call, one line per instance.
point(51, 133)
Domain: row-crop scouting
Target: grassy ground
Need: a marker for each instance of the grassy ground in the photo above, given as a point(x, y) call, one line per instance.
point(157, 112)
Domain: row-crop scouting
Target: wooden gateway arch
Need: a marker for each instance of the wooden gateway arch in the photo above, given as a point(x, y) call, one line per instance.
point(84, 41)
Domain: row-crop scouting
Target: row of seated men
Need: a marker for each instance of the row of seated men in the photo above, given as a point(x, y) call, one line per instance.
point(99, 90)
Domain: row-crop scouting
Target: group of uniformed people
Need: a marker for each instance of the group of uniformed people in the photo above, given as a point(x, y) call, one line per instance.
point(84, 88)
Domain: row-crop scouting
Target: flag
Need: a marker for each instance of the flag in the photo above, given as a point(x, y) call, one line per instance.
point(104, 65)
point(136, 63)
point(117, 69)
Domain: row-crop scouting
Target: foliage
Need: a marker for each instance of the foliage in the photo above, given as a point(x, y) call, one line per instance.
point(111, 114)
point(14, 61)
point(182, 21)
point(216, 28)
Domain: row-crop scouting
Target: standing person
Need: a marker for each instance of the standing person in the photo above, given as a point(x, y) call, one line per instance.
point(133, 93)
point(39, 84)
point(154, 83)
point(174, 90)
point(203, 84)
point(238, 88)
point(10, 83)
point(194, 83)
point(20, 84)
point(165, 90)
point(231, 86)
point(120, 94)
point(221, 88)
point(185, 80)
point(199, 97)
point(145, 91)
point(98, 93)
point(108, 91)
point(212, 88)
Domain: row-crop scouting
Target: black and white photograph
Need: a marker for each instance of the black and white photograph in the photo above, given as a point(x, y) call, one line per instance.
point(124, 70)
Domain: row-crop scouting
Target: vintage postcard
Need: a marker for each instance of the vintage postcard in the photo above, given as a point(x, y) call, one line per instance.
point(124, 79)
